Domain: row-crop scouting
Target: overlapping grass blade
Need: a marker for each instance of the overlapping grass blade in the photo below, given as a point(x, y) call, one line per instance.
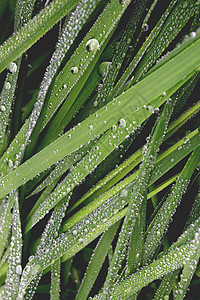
point(23, 14)
point(96, 262)
point(150, 91)
point(178, 151)
point(80, 65)
point(162, 219)
point(137, 197)
point(168, 263)
point(17, 147)
point(33, 31)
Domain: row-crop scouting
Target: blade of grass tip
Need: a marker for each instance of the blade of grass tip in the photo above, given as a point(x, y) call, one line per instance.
point(138, 195)
point(6, 218)
point(189, 268)
point(160, 267)
point(82, 130)
point(23, 12)
point(14, 259)
point(96, 262)
point(55, 280)
point(33, 31)
point(162, 219)
point(66, 39)
point(182, 8)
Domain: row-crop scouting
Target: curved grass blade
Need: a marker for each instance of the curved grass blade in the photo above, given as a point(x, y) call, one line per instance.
point(33, 31)
point(48, 156)
point(14, 259)
point(162, 219)
point(96, 262)
point(121, 48)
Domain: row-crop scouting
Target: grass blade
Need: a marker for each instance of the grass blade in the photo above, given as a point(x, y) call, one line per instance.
point(96, 262)
point(35, 29)
point(48, 156)
point(55, 280)
point(164, 215)
point(14, 266)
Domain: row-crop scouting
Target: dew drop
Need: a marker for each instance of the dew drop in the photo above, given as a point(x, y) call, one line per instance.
point(92, 45)
point(103, 68)
point(123, 193)
point(12, 67)
point(19, 269)
point(164, 94)
point(10, 163)
point(2, 108)
point(122, 123)
point(145, 27)
point(150, 108)
point(193, 34)
point(7, 85)
point(74, 70)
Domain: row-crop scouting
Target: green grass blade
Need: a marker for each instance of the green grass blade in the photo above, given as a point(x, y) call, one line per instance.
point(182, 8)
point(137, 195)
point(172, 75)
point(55, 280)
point(6, 218)
point(64, 42)
point(33, 31)
point(168, 263)
point(189, 268)
point(14, 259)
point(166, 286)
point(136, 246)
point(80, 62)
point(177, 152)
point(162, 219)
point(62, 166)
point(23, 14)
point(96, 262)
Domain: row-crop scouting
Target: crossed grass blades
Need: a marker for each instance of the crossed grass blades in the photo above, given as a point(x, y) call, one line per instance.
point(100, 149)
